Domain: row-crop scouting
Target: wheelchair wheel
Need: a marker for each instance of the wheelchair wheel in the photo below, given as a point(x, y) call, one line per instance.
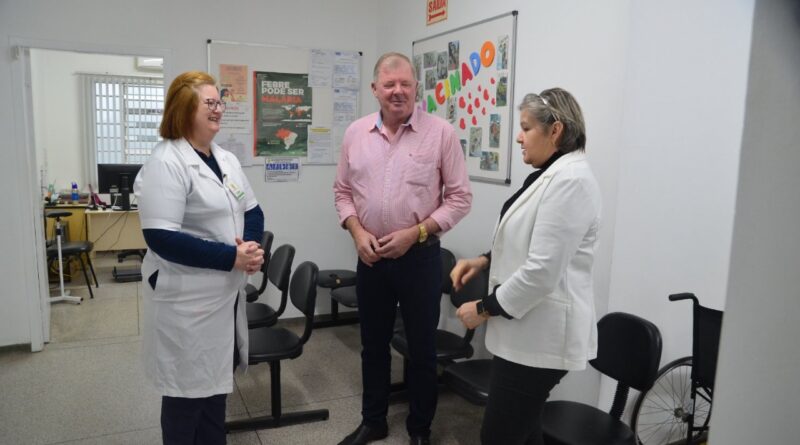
point(661, 414)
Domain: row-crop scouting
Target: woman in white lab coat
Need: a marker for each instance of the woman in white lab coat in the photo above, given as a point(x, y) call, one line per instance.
point(540, 307)
point(202, 224)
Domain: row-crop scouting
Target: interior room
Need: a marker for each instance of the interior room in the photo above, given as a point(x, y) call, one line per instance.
point(690, 116)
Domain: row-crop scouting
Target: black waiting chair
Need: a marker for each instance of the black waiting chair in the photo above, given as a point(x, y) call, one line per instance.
point(342, 285)
point(280, 268)
point(250, 290)
point(273, 344)
point(449, 345)
point(629, 351)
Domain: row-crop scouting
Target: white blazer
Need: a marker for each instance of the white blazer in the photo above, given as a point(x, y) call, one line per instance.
point(542, 258)
point(188, 326)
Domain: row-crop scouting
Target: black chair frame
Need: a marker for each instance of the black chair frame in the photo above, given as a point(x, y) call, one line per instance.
point(271, 345)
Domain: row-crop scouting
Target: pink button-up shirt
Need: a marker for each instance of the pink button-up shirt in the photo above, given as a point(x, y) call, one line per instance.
point(396, 183)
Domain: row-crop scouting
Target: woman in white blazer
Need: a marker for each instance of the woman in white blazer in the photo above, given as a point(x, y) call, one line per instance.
point(540, 310)
point(202, 225)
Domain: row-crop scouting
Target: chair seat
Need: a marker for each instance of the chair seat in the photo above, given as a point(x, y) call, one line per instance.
point(260, 315)
point(70, 248)
point(449, 346)
point(273, 344)
point(346, 296)
point(251, 293)
point(333, 278)
point(469, 379)
point(572, 423)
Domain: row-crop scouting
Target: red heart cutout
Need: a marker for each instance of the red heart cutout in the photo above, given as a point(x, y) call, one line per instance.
point(461, 102)
point(477, 103)
point(479, 87)
point(483, 111)
point(474, 120)
point(493, 101)
point(462, 124)
point(469, 95)
point(485, 94)
point(492, 80)
point(469, 109)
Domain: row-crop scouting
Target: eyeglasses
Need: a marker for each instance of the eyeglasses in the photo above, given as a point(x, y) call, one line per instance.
point(214, 105)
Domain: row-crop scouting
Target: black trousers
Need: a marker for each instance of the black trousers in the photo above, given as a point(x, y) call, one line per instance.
point(415, 282)
point(517, 394)
point(187, 421)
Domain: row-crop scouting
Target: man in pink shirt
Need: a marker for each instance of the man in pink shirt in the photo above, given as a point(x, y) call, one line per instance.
point(401, 180)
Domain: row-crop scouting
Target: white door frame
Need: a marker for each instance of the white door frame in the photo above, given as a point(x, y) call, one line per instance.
point(35, 279)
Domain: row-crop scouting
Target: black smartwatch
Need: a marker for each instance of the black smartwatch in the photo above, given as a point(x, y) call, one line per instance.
point(480, 308)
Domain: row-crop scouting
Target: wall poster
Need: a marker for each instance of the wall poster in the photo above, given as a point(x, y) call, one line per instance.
point(282, 114)
point(466, 76)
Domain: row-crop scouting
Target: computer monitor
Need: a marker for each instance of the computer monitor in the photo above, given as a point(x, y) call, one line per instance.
point(119, 177)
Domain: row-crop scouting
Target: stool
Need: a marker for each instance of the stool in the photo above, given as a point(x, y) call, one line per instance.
point(342, 285)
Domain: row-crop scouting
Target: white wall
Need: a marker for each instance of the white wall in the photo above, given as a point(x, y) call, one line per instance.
point(59, 121)
point(684, 91)
point(757, 395)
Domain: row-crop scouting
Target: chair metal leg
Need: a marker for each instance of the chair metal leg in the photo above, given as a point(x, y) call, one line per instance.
point(91, 267)
point(86, 276)
point(278, 418)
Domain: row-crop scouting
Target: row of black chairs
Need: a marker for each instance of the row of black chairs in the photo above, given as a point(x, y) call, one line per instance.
point(271, 344)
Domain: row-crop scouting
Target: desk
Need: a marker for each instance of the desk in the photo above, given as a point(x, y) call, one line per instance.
point(74, 223)
point(114, 230)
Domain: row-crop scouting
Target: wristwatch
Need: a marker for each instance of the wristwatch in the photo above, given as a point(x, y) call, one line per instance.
point(480, 308)
point(423, 233)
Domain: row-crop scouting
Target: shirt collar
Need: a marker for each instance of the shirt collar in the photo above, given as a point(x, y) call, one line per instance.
point(411, 122)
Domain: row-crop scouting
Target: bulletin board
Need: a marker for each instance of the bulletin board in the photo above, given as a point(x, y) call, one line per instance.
point(466, 76)
point(275, 106)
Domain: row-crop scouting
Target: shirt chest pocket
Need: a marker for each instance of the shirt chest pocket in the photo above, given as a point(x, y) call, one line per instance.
point(420, 168)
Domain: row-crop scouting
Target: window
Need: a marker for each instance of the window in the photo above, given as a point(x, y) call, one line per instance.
point(124, 113)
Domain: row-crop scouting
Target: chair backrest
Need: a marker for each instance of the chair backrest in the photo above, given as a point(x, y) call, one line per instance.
point(303, 292)
point(448, 262)
point(280, 267)
point(266, 246)
point(475, 289)
point(705, 344)
point(279, 272)
point(628, 350)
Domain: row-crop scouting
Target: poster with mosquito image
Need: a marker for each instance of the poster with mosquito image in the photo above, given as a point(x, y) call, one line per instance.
point(466, 76)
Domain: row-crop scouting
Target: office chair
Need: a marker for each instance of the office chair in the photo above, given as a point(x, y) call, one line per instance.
point(69, 250)
point(629, 351)
point(272, 344)
point(449, 345)
point(251, 291)
point(280, 268)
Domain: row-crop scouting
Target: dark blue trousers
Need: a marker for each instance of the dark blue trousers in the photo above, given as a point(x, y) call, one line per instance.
point(187, 421)
point(415, 282)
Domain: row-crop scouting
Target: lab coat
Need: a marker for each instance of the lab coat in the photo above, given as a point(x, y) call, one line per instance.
point(188, 320)
point(542, 258)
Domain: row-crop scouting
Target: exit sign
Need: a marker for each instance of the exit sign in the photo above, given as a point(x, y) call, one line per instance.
point(437, 11)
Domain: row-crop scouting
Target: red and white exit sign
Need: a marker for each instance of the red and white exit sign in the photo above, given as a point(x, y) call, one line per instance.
point(437, 11)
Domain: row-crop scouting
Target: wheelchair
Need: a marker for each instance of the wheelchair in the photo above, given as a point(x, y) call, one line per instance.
point(677, 409)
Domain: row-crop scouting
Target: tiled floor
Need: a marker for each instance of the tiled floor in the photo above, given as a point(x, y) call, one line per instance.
point(87, 386)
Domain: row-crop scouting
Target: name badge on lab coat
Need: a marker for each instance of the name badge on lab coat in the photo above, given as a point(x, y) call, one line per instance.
point(237, 192)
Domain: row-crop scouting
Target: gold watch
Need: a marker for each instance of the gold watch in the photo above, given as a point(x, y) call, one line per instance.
point(423, 233)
